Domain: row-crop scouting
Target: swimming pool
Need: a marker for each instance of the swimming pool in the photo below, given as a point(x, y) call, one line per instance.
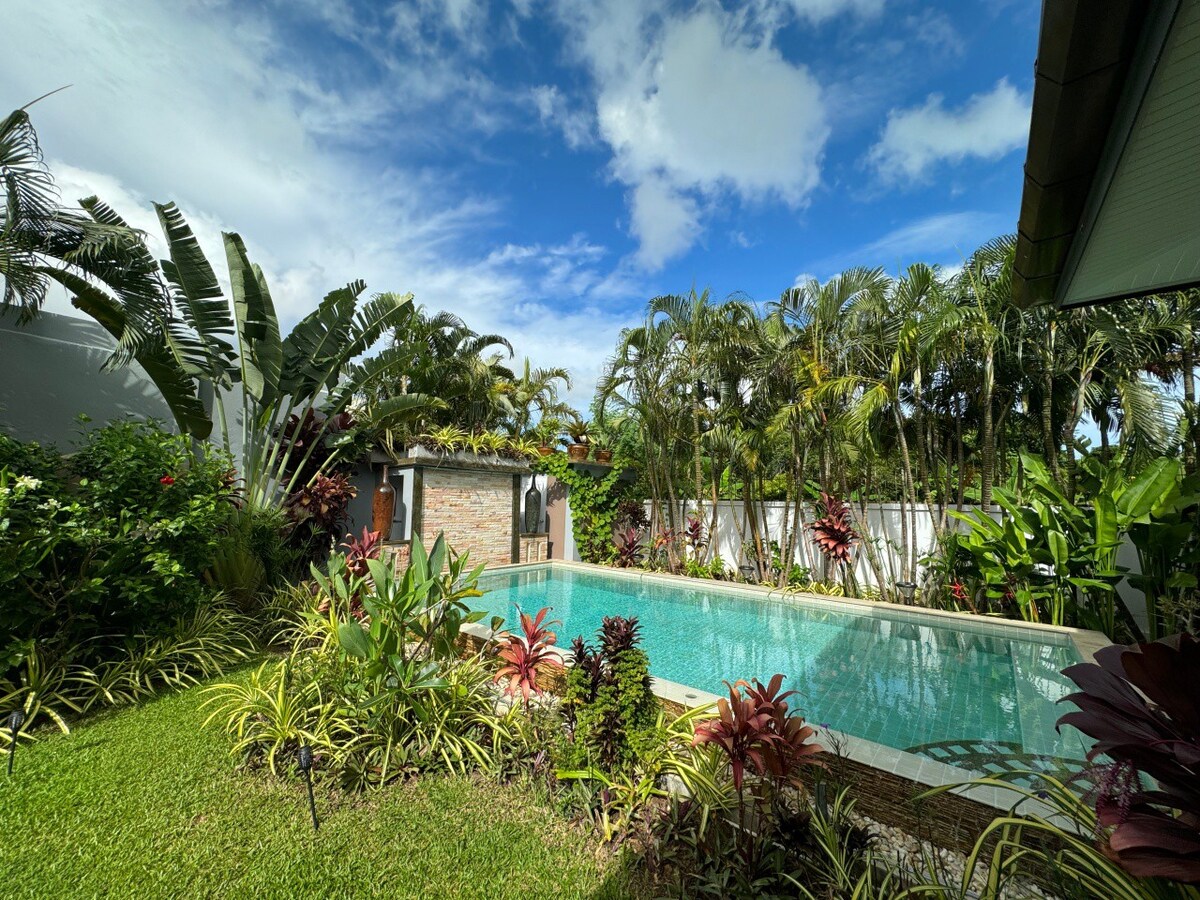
point(911, 681)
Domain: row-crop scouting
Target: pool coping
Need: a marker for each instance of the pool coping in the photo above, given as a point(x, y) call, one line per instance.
point(923, 771)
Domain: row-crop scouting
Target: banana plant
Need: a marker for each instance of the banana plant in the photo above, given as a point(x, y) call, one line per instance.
point(173, 318)
point(1050, 555)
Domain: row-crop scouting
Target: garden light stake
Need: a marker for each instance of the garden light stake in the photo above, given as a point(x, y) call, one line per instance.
point(306, 761)
point(16, 719)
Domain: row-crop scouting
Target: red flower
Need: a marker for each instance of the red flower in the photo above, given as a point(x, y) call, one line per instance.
point(167, 480)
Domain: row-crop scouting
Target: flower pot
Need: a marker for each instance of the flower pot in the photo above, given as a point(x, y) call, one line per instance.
point(545, 451)
point(577, 452)
point(383, 507)
point(604, 456)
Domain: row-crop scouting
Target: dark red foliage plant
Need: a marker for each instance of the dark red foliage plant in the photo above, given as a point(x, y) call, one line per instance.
point(629, 548)
point(312, 440)
point(756, 730)
point(359, 550)
point(1142, 707)
point(322, 504)
point(833, 534)
point(693, 534)
point(632, 514)
point(524, 656)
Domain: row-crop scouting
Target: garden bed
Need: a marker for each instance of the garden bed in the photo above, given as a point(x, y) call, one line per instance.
point(148, 802)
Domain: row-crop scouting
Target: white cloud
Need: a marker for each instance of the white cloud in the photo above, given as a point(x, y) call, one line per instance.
point(818, 11)
point(695, 107)
point(987, 126)
point(553, 109)
point(664, 220)
point(208, 106)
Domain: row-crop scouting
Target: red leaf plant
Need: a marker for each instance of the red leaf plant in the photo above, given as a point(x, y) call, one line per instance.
point(693, 534)
point(322, 503)
point(359, 550)
point(526, 655)
point(832, 532)
point(1142, 706)
point(629, 548)
point(792, 749)
point(757, 731)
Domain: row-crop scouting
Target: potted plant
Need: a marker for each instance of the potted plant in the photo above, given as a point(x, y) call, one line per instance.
point(579, 432)
point(602, 439)
point(546, 433)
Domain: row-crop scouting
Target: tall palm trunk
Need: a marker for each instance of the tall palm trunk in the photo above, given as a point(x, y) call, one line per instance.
point(907, 523)
point(698, 467)
point(1188, 364)
point(987, 435)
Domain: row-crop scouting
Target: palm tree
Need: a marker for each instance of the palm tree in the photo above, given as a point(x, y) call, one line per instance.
point(535, 392)
point(981, 317)
point(439, 355)
point(38, 237)
point(701, 333)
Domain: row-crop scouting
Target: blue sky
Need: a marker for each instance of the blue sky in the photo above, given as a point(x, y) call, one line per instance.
point(542, 169)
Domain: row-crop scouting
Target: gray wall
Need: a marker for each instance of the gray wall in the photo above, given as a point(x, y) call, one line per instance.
point(50, 372)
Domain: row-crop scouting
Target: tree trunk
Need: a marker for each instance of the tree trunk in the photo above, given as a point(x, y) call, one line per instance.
point(987, 435)
point(908, 525)
point(1191, 446)
point(699, 468)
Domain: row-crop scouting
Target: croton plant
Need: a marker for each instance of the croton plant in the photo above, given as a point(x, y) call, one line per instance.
point(1142, 707)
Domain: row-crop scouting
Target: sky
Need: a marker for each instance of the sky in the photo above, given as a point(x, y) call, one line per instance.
point(541, 169)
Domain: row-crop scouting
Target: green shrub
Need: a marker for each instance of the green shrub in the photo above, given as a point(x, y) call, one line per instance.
point(610, 709)
point(108, 542)
point(208, 641)
point(374, 682)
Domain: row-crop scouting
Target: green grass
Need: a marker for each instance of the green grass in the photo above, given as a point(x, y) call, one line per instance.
point(146, 803)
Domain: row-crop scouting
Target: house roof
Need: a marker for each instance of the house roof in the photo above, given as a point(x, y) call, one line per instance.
point(1111, 202)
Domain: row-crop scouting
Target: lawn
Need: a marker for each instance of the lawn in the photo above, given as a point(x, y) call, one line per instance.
point(146, 803)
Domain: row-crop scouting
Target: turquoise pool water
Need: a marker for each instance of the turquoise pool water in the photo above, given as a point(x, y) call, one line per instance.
point(904, 681)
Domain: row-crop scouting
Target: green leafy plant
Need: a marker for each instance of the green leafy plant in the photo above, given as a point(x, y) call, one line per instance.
point(617, 800)
point(608, 701)
point(1051, 832)
point(109, 542)
point(1050, 560)
point(375, 679)
point(595, 504)
point(53, 684)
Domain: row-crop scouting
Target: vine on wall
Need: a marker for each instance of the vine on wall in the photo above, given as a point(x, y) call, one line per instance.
point(594, 503)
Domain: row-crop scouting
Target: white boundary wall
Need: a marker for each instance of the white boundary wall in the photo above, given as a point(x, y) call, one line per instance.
point(884, 530)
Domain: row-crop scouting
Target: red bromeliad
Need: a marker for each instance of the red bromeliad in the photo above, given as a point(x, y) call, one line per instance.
point(527, 654)
point(832, 532)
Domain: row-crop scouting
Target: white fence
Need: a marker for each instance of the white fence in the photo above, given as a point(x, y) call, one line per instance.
point(883, 530)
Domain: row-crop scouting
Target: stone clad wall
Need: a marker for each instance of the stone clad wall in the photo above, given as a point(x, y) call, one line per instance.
point(534, 548)
point(473, 508)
